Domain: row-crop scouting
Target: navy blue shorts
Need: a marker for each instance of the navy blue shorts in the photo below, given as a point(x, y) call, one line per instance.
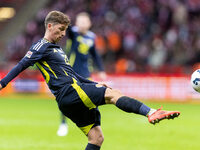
point(80, 103)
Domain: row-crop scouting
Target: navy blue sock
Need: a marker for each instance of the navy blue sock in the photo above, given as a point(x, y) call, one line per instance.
point(63, 118)
point(128, 104)
point(92, 147)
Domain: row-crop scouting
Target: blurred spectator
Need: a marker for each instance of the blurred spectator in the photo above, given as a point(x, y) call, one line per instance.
point(147, 33)
point(114, 41)
point(157, 55)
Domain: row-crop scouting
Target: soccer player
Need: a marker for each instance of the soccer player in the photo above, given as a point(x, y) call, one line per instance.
point(80, 46)
point(77, 97)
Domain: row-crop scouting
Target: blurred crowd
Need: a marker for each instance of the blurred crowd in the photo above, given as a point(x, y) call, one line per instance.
point(6, 3)
point(131, 35)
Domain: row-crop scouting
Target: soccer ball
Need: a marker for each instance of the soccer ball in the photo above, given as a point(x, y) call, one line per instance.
point(195, 80)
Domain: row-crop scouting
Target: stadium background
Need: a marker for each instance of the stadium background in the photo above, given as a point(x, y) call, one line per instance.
point(149, 49)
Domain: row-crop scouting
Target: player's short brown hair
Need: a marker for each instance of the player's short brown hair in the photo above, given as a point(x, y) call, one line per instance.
point(56, 17)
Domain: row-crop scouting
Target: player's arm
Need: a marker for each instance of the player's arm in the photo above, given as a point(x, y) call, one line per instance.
point(29, 59)
point(0, 86)
point(12, 74)
point(71, 35)
point(82, 79)
point(70, 32)
point(97, 59)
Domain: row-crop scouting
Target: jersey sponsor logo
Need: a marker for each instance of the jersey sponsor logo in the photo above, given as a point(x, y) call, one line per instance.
point(84, 45)
point(87, 41)
point(29, 54)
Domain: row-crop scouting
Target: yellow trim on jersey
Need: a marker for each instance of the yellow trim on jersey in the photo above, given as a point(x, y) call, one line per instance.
point(47, 76)
point(45, 63)
point(86, 129)
point(72, 58)
point(66, 60)
point(83, 96)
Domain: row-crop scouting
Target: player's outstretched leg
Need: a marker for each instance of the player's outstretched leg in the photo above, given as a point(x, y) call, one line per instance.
point(132, 105)
point(63, 128)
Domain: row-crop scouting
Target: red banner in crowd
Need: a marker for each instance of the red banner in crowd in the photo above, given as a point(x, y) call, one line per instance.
point(159, 87)
point(154, 86)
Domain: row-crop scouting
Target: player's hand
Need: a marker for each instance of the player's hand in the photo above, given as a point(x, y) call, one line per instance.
point(103, 84)
point(1, 86)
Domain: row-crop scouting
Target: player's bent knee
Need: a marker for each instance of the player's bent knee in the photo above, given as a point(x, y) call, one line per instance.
point(97, 140)
point(95, 136)
point(112, 95)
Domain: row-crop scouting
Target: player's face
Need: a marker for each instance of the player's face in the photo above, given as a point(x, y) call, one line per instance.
point(83, 23)
point(57, 31)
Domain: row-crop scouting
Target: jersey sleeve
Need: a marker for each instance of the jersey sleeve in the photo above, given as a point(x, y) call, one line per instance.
point(71, 37)
point(71, 31)
point(12, 74)
point(31, 57)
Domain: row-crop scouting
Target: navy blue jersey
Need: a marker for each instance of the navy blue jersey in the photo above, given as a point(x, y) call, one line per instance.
point(79, 48)
point(53, 64)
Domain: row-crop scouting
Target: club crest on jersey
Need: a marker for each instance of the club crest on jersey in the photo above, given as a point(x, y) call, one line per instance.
point(54, 50)
point(29, 54)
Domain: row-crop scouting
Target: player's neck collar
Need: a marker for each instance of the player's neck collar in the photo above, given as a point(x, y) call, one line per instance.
point(46, 40)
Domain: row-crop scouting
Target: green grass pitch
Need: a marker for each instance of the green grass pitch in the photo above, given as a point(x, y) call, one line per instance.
point(30, 122)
